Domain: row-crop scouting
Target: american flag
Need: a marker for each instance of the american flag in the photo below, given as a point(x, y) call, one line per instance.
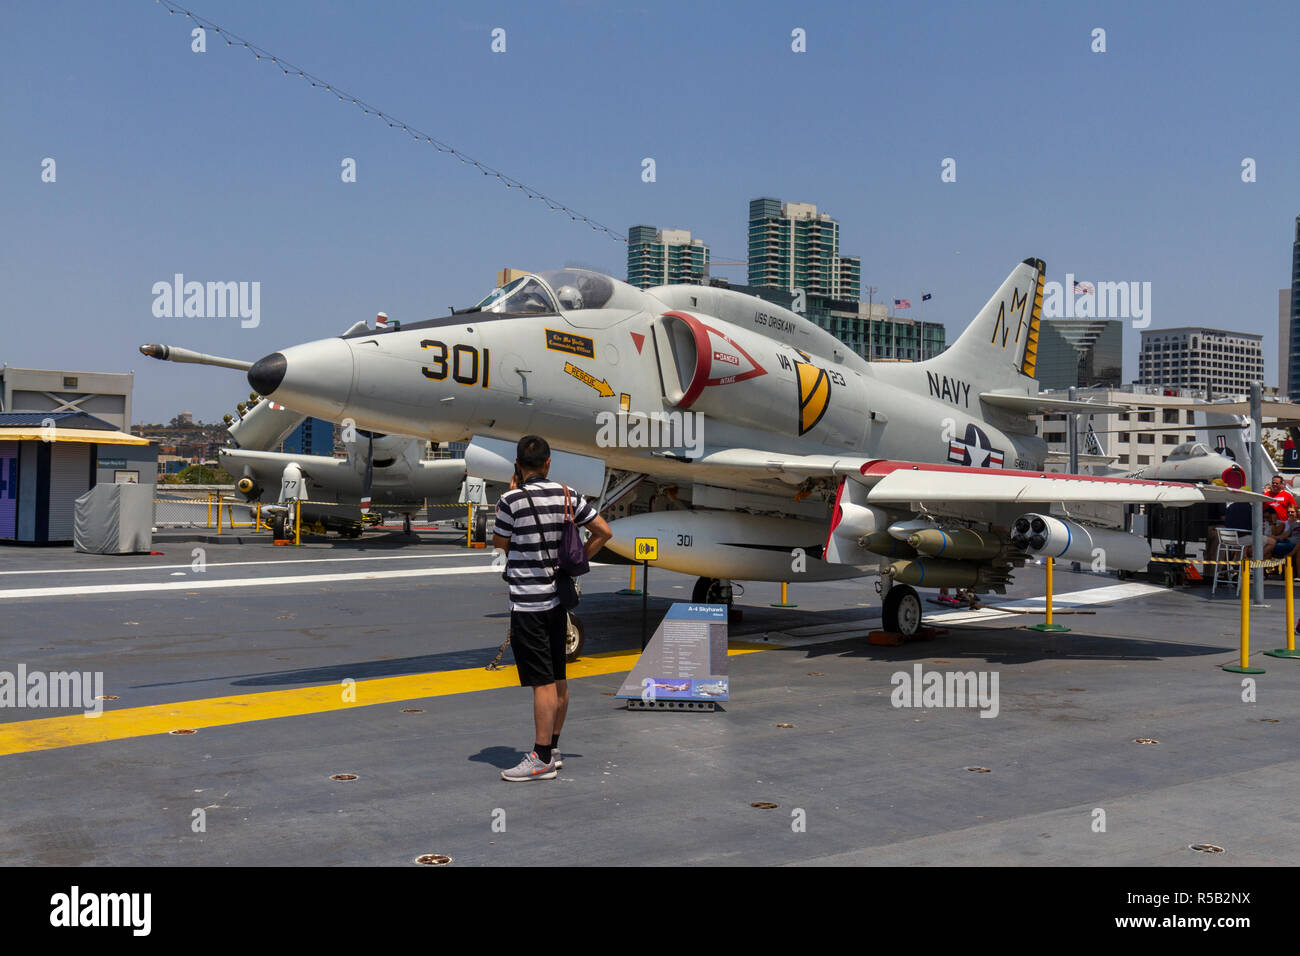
point(925, 297)
point(1084, 288)
point(902, 304)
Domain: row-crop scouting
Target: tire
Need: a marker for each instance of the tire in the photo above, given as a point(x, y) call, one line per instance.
point(277, 527)
point(902, 610)
point(576, 638)
point(707, 591)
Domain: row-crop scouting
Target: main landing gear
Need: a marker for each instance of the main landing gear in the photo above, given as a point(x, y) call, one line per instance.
point(574, 639)
point(901, 613)
point(716, 591)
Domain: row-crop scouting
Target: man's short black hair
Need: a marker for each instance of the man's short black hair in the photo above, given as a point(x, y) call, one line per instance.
point(532, 451)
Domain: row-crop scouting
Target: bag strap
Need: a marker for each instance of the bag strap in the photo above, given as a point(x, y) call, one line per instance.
point(537, 522)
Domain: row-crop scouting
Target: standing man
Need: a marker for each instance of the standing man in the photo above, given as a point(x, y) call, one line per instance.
point(529, 524)
point(1282, 499)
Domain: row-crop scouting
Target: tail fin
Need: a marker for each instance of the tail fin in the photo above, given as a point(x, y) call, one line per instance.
point(1001, 343)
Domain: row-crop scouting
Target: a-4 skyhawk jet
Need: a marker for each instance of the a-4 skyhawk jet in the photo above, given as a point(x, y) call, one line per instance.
point(751, 443)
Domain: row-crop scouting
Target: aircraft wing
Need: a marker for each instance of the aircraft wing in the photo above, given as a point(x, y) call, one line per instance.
point(315, 467)
point(896, 481)
point(901, 481)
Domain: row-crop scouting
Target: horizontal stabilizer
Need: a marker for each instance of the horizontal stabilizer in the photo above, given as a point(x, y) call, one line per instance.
point(1029, 404)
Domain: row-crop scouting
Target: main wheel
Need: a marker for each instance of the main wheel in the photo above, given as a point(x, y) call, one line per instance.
point(712, 591)
point(902, 610)
point(278, 528)
point(707, 591)
point(574, 639)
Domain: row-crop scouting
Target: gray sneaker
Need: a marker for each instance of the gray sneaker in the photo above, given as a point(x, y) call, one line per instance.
point(530, 768)
point(557, 758)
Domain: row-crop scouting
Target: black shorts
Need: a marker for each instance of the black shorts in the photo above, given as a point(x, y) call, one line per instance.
point(537, 639)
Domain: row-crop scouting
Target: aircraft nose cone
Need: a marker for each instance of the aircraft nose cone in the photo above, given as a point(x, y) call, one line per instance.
point(267, 373)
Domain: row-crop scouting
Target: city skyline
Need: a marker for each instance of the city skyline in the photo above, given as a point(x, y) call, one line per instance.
point(217, 166)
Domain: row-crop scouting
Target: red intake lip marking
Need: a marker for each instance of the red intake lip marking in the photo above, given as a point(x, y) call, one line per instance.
point(703, 348)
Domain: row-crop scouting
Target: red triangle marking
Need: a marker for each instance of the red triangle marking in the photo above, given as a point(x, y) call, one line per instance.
point(639, 339)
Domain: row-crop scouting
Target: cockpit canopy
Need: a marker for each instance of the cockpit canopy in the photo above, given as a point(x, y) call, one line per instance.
point(1190, 450)
point(562, 290)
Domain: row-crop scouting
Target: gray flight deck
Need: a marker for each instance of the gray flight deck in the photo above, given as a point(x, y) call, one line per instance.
point(876, 784)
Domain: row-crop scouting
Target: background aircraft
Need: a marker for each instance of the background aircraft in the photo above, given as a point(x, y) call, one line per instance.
point(383, 472)
point(810, 463)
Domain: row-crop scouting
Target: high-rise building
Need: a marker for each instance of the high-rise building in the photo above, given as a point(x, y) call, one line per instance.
point(1292, 381)
point(315, 436)
point(793, 246)
point(664, 257)
point(1080, 353)
point(1198, 358)
point(1284, 342)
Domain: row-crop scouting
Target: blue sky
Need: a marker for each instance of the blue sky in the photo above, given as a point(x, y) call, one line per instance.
point(1123, 165)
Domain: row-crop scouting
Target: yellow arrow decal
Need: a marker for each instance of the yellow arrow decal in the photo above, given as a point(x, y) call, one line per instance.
point(586, 378)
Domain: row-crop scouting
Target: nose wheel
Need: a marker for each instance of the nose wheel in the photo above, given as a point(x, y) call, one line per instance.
point(902, 610)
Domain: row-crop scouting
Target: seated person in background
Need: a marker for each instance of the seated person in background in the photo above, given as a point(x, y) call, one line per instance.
point(1284, 535)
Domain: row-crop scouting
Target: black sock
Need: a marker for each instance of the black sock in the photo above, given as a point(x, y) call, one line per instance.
point(555, 741)
point(543, 752)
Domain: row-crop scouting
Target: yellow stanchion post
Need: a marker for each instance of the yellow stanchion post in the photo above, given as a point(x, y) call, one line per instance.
point(784, 595)
point(1288, 585)
point(1047, 624)
point(257, 517)
point(1244, 667)
point(209, 509)
point(297, 522)
point(631, 585)
point(469, 523)
point(219, 505)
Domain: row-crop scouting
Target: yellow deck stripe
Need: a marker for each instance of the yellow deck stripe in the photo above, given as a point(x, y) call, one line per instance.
point(23, 736)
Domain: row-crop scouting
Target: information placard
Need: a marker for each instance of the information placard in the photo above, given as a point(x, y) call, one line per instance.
point(685, 660)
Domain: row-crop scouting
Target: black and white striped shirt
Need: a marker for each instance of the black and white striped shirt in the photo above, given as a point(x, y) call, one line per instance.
point(530, 558)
